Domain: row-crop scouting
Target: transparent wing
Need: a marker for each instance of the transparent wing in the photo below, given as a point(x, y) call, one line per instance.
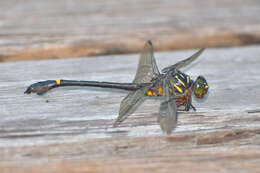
point(130, 103)
point(184, 62)
point(168, 110)
point(147, 67)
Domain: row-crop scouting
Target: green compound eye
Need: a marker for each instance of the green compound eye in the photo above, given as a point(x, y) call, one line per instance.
point(200, 87)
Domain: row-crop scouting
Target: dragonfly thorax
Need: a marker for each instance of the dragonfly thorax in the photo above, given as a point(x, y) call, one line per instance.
point(179, 81)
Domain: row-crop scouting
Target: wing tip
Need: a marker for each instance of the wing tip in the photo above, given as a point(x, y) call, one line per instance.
point(148, 46)
point(149, 42)
point(202, 49)
point(115, 124)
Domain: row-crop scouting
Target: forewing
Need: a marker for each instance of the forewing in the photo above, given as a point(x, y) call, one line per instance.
point(130, 103)
point(168, 110)
point(184, 62)
point(147, 67)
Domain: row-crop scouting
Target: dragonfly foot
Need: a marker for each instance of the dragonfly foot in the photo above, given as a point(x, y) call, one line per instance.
point(193, 107)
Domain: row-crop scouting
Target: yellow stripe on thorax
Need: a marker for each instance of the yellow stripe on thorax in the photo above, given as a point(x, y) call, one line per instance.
point(180, 81)
point(181, 75)
point(178, 88)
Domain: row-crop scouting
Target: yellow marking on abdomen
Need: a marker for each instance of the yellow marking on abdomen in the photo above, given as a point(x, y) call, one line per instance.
point(160, 90)
point(149, 93)
point(58, 82)
point(178, 88)
point(154, 94)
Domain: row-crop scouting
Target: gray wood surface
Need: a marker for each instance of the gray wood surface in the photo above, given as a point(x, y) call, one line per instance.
point(50, 132)
point(34, 29)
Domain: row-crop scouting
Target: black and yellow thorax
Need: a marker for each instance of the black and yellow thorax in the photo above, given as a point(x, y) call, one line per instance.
point(179, 81)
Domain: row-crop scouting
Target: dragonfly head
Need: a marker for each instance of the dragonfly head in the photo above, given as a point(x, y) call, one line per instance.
point(200, 87)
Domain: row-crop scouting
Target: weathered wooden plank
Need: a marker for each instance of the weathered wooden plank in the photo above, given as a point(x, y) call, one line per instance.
point(38, 29)
point(221, 151)
point(61, 130)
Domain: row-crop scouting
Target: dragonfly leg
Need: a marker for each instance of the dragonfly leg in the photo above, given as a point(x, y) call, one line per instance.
point(193, 107)
point(188, 106)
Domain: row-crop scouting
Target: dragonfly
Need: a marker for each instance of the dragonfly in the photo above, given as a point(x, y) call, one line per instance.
point(173, 87)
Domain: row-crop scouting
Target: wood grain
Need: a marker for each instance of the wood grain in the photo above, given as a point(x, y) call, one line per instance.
point(70, 129)
point(35, 29)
